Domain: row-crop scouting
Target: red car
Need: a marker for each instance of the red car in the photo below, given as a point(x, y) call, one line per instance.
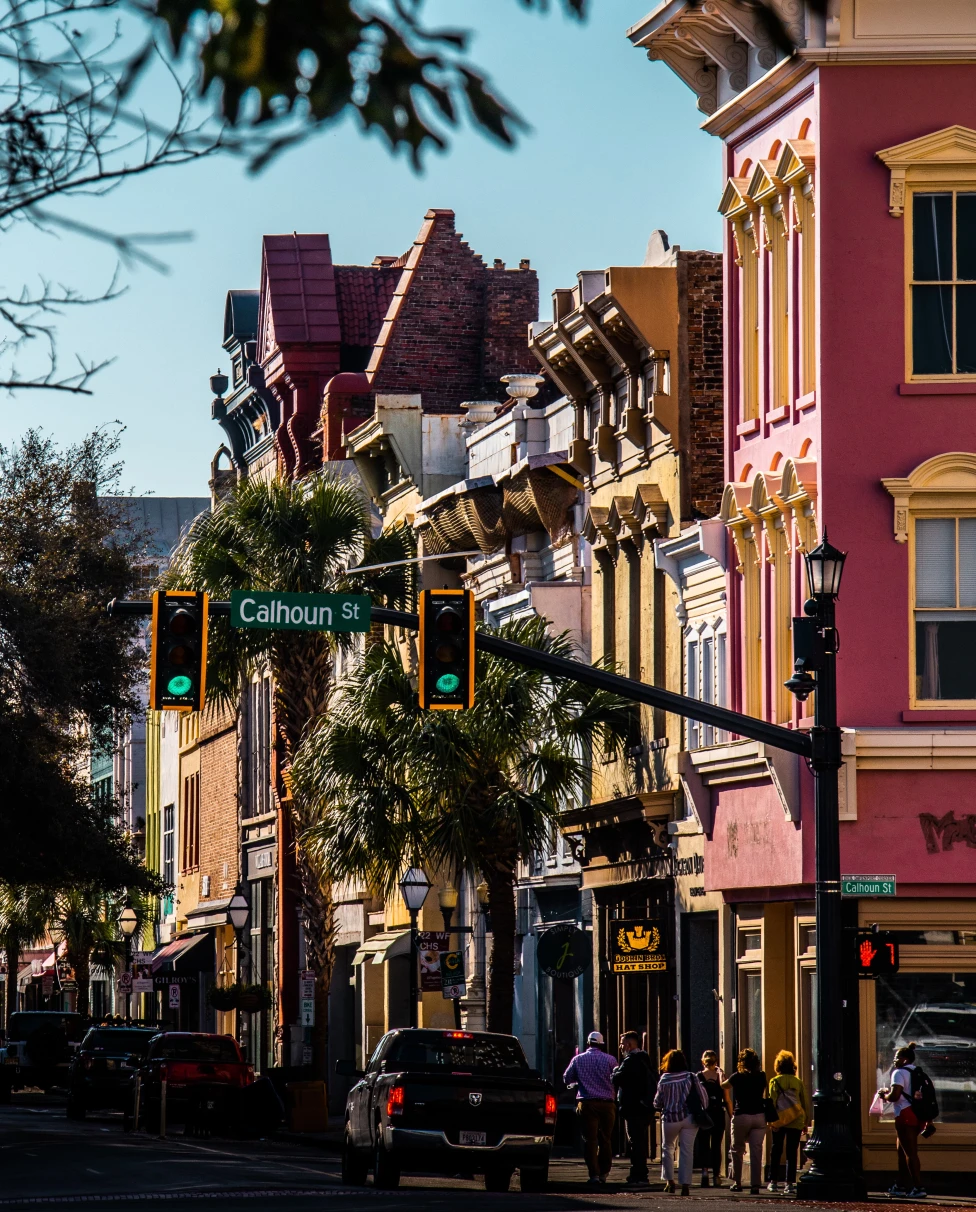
point(205, 1076)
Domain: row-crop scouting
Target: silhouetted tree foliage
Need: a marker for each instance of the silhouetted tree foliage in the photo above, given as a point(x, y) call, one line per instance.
point(67, 672)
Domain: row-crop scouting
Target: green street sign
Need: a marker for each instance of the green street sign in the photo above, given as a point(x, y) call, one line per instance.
point(299, 611)
point(867, 885)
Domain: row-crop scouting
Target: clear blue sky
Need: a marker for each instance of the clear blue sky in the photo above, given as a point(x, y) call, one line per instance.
point(614, 151)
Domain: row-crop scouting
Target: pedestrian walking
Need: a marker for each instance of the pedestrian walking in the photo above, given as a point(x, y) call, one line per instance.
point(789, 1096)
point(679, 1097)
point(591, 1072)
point(745, 1095)
point(913, 1097)
point(633, 1080)
point(708, 1143)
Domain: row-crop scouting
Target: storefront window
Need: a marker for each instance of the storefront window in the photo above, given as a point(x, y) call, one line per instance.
point(936, 1011)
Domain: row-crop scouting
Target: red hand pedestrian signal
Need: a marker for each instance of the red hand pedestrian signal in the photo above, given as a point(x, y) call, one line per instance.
point(877, 953)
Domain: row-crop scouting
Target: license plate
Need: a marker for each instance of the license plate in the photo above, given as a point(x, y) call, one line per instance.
point(473, 1138)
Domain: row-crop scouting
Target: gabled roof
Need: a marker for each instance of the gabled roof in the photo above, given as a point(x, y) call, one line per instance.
point(735, 199)
point(299, 291)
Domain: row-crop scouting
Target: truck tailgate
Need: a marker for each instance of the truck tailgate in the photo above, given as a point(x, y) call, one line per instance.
point(456, 1104)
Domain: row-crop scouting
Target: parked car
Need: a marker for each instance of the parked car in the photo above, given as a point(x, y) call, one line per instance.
point(205, 1077)
point(450, 1102)
point(101, 1071)
point(945, 1037)
point(38, 1050)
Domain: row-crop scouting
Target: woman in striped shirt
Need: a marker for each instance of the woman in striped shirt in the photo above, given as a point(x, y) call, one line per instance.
point(678, 1125)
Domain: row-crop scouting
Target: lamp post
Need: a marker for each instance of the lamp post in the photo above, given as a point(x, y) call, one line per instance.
point(239, 911)
point(414, 886)
point(448, 900)
point(835, 1171)
point(127, 923)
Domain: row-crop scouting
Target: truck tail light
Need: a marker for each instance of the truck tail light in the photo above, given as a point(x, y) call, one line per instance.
point(396, 1100)
point(550, 1108)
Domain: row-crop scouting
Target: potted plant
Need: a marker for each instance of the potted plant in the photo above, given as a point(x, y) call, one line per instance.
point(253, 998)
point(225, 997)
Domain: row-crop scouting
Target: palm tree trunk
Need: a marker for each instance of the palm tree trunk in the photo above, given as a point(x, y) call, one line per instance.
point(82, 966)
point(501, 988)
point(11, 948)
point(303, 682)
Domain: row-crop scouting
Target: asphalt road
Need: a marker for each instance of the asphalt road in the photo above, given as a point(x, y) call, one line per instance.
point(49, 1161)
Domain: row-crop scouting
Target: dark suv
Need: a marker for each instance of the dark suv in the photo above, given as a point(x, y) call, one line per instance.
point(38, 1049)
point(101, 1072)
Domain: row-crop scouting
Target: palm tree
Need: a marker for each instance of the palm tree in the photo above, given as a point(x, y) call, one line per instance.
point(83, 922)
point(24, 913)
point(479, 789)
point(295, 537)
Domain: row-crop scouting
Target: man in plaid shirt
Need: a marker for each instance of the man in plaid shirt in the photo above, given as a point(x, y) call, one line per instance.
point(591, 1072)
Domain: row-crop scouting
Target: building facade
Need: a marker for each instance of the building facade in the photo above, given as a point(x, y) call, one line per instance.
point(849, 364)
point(638, 352)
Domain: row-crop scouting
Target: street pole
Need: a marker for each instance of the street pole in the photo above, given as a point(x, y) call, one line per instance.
point(447, 913)
point(128, 968)
point(413, 968)
point(835, 1172)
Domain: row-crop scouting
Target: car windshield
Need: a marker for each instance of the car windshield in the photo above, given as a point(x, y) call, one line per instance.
point(195, 1048)
point(445, 1052)
point(117, 1041)
point(930, 1024)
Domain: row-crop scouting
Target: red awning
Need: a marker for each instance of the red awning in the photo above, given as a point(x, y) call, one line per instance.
point(173, 951)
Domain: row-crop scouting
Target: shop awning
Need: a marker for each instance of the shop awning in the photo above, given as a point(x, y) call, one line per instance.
point(209, 913)
point(166, 957)
point(383, 946)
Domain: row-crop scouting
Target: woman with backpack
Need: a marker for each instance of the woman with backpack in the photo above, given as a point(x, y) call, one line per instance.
point(708, 1143)
point(681, 1100)
point(913, 1097)
point(789, 1096)
point(745, 1093)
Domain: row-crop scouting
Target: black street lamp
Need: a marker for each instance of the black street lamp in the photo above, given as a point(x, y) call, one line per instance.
point(447, 898)
point(127, 923)
point(414, 886)
point(835, 1170)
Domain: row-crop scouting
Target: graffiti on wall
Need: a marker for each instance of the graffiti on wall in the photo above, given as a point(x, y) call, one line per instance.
point(942, 832)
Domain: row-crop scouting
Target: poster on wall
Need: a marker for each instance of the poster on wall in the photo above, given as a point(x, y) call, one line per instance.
point(636, 946)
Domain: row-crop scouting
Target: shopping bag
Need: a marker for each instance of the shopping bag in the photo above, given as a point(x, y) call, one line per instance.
point(881, 1108)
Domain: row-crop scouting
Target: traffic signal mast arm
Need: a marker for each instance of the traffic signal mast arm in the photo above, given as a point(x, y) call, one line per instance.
point(600, 679)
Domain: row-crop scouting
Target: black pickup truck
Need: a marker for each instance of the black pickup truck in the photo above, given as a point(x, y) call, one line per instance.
point(451, 1102)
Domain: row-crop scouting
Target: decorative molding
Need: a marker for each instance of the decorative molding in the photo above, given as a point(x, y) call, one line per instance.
point(911, 748)
point(742, 762)
point(947, 155)
point(650, 510)
point(944, 482)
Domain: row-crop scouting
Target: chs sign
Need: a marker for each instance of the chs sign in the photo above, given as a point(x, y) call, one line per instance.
point(299, 611)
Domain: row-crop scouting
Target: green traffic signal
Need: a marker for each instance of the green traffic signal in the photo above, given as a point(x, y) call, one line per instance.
point(181, 684)
point(447, 683)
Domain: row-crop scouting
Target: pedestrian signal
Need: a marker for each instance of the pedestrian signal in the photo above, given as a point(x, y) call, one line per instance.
point(446, 649)
point(178, 664)
point(876, 953)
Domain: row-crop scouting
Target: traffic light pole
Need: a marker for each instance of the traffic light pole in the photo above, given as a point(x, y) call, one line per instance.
point(835, 1170)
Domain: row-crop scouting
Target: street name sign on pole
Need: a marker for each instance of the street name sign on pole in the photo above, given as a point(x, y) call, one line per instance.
point(300, 611)
point(867, 885)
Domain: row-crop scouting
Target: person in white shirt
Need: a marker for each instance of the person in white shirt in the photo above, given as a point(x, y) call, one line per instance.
point(907, 1125)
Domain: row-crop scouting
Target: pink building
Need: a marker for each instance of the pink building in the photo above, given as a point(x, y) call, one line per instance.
point(850, 305)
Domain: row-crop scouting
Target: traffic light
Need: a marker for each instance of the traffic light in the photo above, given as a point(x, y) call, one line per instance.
point(178, 665)
point(876, 953)
point(446, 649)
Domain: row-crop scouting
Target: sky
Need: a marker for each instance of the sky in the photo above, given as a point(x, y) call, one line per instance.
point(614, 151)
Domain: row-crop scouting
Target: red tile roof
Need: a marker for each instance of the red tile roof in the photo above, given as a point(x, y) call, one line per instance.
point(299, 289)
point(363, 293)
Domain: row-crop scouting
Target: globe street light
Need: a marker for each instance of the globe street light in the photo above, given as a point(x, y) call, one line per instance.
point(128, 921)
point(414, 886)
point(834, 1172)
